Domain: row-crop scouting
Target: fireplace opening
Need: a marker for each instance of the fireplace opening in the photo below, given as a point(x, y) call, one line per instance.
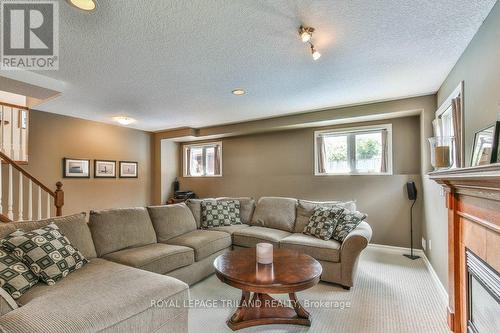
point(483, 296)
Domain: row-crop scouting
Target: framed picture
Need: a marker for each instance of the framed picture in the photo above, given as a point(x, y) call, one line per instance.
point(128, 169)
point(483, 145)
point(76, 168)
point(104, 169)
point(495, 149)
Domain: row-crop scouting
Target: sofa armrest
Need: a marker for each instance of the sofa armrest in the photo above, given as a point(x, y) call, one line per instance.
point(7, 303)
point(351, 248)
point(358, 238)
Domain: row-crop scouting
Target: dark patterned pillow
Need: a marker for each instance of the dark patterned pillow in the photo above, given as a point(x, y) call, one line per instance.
point(322, 222)
point(346, 222)
point(15, 276)
point(47, 252)
point(215, 213)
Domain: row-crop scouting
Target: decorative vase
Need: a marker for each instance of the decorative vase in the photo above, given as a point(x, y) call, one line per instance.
point(264, 253)
point(442, 152)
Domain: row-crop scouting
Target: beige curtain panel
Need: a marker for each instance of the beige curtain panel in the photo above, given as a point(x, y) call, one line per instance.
point(188, 162)
point(384, 162)
point(456, 109)
point(321, 154)
point(217, 160)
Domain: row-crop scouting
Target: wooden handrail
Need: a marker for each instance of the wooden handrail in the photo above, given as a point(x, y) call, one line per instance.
point(27, 174)
point(14, 106)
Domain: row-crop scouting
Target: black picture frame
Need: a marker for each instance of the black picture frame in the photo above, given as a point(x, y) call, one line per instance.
point(96, 168)
point(70, 172)
point(495, 151)
point(123, 163)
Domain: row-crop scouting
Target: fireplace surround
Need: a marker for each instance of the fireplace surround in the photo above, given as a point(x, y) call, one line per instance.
point(473, 202)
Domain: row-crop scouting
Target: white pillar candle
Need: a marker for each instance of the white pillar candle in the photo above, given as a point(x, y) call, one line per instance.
point(264, 253)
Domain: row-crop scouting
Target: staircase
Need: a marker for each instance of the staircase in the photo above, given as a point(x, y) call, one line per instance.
point(22, 196)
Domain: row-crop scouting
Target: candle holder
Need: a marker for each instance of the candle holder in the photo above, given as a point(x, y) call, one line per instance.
point(442, 152)
point(264, 253)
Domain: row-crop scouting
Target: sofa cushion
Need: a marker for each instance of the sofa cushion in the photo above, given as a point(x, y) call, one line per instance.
point(249, 237)
point(117, 229)
point(274, 212)
point(15, 276)
point(46, 251)
point(157, 258)
point(203, 242)
point(322, 222)
point(74, 227)
point(195, 206)
point(219, 213)
point(230, 229)
point(116, 298)
point(171, 220)
point(306, 208)
point(346, 222)
point(327, 250)
point(247, 206)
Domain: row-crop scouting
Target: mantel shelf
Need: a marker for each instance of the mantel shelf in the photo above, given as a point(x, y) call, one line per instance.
point(473, 175)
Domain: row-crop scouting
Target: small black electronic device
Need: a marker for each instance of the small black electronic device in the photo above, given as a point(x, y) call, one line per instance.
point(411, 189)
point(184, 195)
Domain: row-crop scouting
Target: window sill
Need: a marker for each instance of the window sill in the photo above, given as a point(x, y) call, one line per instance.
point(354, 174)
point(217, 176)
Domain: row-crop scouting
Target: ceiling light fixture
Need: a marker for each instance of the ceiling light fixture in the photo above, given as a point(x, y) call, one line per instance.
point(86, 5)
point(124, 120)
point(316, 55)
point(239, 92)
point(305, 33)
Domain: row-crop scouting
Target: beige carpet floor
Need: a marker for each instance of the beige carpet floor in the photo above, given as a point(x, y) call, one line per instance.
point(391, 294)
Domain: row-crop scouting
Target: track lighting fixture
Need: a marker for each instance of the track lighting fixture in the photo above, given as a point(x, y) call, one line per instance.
point(305, 34)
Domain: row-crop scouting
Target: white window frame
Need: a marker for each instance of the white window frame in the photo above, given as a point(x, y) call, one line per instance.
point(199, 145)
point(352, 146)
point(446, 107)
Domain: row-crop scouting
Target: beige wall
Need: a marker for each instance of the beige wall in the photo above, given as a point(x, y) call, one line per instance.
point(479, 68)
point(53, 137)
point(281, 164)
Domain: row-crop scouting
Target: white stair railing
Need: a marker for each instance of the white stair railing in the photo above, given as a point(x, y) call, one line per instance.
point(48, 203)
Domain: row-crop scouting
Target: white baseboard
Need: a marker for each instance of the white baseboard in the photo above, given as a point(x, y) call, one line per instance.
point(421, 253)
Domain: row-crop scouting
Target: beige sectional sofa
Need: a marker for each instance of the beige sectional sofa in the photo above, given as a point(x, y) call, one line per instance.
point(140, 256)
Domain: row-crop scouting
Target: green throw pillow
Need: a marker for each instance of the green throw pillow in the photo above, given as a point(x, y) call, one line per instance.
point(215, 213)
point(15, 276)
point(46, 251)
point(346, 222)
point(322, 222)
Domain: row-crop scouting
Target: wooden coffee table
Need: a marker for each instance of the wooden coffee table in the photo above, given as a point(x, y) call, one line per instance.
point(290, 272)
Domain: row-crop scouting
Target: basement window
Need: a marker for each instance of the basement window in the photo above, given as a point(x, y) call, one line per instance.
point(203, 160)
point(363, 150)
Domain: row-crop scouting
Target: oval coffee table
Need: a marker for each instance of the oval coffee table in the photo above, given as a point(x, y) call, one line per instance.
point(290, 272)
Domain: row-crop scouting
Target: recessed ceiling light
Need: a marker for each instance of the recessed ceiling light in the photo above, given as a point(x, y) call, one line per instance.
point(87, 5)
point(124, 120)
point(239, 92)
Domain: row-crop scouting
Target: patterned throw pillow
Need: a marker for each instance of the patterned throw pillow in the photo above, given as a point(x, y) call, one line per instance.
point(15, 276)
point(47, 252)
point(346, 222)
point(215, 213)
point(322, 222)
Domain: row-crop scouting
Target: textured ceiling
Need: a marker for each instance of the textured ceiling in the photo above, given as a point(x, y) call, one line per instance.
point(174, 63)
